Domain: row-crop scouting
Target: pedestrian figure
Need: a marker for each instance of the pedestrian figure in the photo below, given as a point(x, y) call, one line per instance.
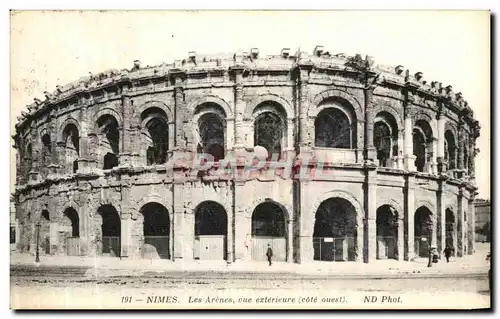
point(447, 253)
point(269, 253)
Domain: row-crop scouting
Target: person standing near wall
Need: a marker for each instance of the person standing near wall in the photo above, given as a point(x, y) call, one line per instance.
point(269, 254)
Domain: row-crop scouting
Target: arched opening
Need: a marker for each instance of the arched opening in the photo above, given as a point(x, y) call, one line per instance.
point(211, 129)
point(71, 140)
point(45, 232)
point(335, 231)
point(269, 228)
point(46, 152)
point(387, 232)
point(334, 129)
point(451, 229)
point(210, 231)
point(422, 145)
point(110, 161)
point(385, 138)
point(71, 224)
point(109, 138)
point(155, 133)
point(270, 128)
point(110, 230)
point(450, 150)
point(156, 230)
point(422, 231)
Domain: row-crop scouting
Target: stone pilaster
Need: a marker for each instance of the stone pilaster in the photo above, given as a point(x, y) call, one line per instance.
point(409, 217)
point(472, 226)
point(305, 225)
point(409, 158)
point(178, 215)
point(239, 107)
point(304, 134)
point(441, 121)
point(289, 239)
point(434, 163)
point(441, 219)
point(461, 135)
point(93, 151)
point(180, 106)
point(461, 223)
point(370, 152)
point(241, 223)
point(401, 236)
point(126, 235)
point(370, 218)
point(127, 137)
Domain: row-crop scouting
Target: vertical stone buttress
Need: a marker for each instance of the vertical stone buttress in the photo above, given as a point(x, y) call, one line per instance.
point(461, 135)
point(370, 218)
point(127, 132)
point(34, 173)
point(239, 107)
point(441, 217)
point(441, 121)
point(462, 206)
point(304, 230)
point(409, 212)
point(370, 152)
point(409, 158)
point(370, 205)
point(239, 225)
point(179, 185)
point(304, 134)
point(472, 225)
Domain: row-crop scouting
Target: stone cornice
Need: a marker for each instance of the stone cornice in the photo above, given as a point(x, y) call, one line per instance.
point(110, 81)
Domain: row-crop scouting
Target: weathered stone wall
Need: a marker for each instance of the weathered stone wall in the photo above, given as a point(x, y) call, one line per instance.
point(239, 88)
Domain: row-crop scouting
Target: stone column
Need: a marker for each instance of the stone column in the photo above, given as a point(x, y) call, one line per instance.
point(471, 220)
point(126, 135)
point(93, 150)
point(401, 236)
point(370, 152)
point(461, 144)
point(18, 234)
point(61, 157)
point(171, 137)
point(409, 217)
point(230, 236)
point(230, 130)
point(239, 107)
point(290, 143)
point(305, 227)
point(180, 107)
point(461, 223)
point(370, 233)
point(125, 236)
point(454, 235)
point(178, 230)
point(409, 158)
point(241, 227)
point(434, 166)
point(305, 141)
point(472, 156)
point(441, 219)
point(400, 156)
point(289, 239)
point(188, 221)
point(441, 121)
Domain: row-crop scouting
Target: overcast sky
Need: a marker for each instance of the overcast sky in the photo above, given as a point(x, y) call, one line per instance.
point(452, 47)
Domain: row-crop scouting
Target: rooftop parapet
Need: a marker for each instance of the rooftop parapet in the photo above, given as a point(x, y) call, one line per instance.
point(252, 59)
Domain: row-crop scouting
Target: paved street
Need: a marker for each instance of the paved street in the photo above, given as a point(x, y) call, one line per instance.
point(63, 290)
point(104, 283)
